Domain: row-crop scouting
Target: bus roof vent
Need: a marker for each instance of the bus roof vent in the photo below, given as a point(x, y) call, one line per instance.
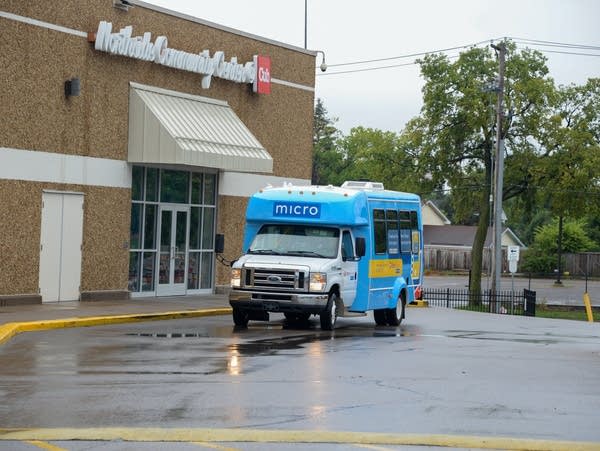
point(361, 185)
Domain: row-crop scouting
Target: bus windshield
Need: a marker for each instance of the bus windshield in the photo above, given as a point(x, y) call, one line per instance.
point(300, 240)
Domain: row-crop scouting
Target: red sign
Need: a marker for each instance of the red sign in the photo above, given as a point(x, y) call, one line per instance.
point(262, 82)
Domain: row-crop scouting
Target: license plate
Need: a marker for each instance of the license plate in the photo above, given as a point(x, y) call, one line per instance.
point(271, 306)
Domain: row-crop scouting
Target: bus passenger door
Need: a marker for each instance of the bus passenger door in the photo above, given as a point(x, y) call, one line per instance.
point(416, 254)
point(349, 268)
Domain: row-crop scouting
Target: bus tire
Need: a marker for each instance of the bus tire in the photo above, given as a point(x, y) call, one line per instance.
point(328, 316)
point(240, 317)
point(380, 316)
point(395, 315)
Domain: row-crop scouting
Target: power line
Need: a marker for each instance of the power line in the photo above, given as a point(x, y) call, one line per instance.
point(410, 55)
point(553, 43)
point(367, 69)
point(527, 42)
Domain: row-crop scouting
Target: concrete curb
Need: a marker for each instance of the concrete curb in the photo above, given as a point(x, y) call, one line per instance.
point(9, 330)
point(292, 436)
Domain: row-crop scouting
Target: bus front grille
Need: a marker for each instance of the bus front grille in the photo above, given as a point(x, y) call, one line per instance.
point(274, 279)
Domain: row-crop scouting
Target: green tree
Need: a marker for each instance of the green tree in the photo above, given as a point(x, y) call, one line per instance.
point(327, 161)
point(455, 131)
point(564, 180)
point(376, 155)
point(570, 165)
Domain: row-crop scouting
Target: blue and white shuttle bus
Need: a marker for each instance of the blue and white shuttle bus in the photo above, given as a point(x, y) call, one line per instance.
point(329, 251)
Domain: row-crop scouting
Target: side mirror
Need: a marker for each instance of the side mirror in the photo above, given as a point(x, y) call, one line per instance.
point(219, 243)
point(360, 247)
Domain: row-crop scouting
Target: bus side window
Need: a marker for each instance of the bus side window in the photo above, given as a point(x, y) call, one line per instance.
point(347, 246)
point(414, 225)
point(380, 237)
point(393, 237)
point(405, 232)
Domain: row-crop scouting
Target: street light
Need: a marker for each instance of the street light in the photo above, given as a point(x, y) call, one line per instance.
point(323, 65)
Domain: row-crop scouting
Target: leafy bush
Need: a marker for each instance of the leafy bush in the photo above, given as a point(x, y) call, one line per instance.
point(537, 261)
point(542, 255)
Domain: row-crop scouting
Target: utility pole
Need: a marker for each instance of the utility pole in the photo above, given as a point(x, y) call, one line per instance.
point(498, 172)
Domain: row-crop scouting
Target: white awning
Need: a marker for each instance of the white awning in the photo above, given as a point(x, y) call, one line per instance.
point(167, 127)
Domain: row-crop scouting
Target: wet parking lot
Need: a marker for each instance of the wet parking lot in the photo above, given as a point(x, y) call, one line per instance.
point(440, 372)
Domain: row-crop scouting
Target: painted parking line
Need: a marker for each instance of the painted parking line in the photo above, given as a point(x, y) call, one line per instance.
point(9, 330)
point(44, 445)
point(292, 436)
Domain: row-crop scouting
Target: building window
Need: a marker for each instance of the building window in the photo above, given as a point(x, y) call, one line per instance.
point(196, 190)
point(174, 187)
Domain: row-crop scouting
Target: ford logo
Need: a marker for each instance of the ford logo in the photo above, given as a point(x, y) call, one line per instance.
point(274, 279)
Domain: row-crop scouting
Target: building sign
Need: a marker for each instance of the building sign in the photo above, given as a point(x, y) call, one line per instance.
point(297, 209)
point(262, 81)
point(143, 48)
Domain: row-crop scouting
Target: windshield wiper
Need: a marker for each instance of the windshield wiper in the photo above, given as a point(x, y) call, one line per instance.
point(264, 251)
point(311, 253)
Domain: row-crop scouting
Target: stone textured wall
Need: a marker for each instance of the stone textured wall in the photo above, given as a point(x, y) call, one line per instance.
point(230, 221)
point(105, 258)
point(34, 64)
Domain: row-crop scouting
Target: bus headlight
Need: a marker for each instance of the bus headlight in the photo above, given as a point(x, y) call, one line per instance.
point(318, 281)
point(236, 275)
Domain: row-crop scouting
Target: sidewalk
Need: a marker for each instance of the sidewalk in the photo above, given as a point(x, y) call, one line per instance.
point(16, 319)
point(72, 309)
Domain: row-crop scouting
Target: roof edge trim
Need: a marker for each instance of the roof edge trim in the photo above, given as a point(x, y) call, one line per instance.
point(181, 95)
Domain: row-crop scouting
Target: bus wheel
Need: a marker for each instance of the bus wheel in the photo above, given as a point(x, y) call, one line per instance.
point(395, 315)
point(380, 316)
point(240, 317)
point(328, 316)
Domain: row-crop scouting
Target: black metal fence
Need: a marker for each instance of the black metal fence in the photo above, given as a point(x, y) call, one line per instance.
point(502, 302)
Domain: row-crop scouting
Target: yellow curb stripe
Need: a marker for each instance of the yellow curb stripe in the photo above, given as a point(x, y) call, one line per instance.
point(292, 436)
point(9, 330)
point(44, 445)
point(213, 446)
point(376, 448)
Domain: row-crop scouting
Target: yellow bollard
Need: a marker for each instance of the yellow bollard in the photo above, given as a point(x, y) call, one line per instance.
point(588, 307)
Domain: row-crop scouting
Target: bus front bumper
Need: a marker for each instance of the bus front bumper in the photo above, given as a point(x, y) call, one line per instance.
point(278, 302)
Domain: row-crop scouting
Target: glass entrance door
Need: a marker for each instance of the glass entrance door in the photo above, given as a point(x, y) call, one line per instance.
point(172, 256)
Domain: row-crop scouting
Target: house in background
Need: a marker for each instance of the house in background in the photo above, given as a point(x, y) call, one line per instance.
point(432, 215)
point(448, 247)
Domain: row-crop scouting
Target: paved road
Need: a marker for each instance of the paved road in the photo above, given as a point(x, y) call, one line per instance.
point(570, 293)
point(446, 372)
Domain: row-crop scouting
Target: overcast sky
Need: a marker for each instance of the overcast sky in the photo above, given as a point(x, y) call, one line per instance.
point(352, 30)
